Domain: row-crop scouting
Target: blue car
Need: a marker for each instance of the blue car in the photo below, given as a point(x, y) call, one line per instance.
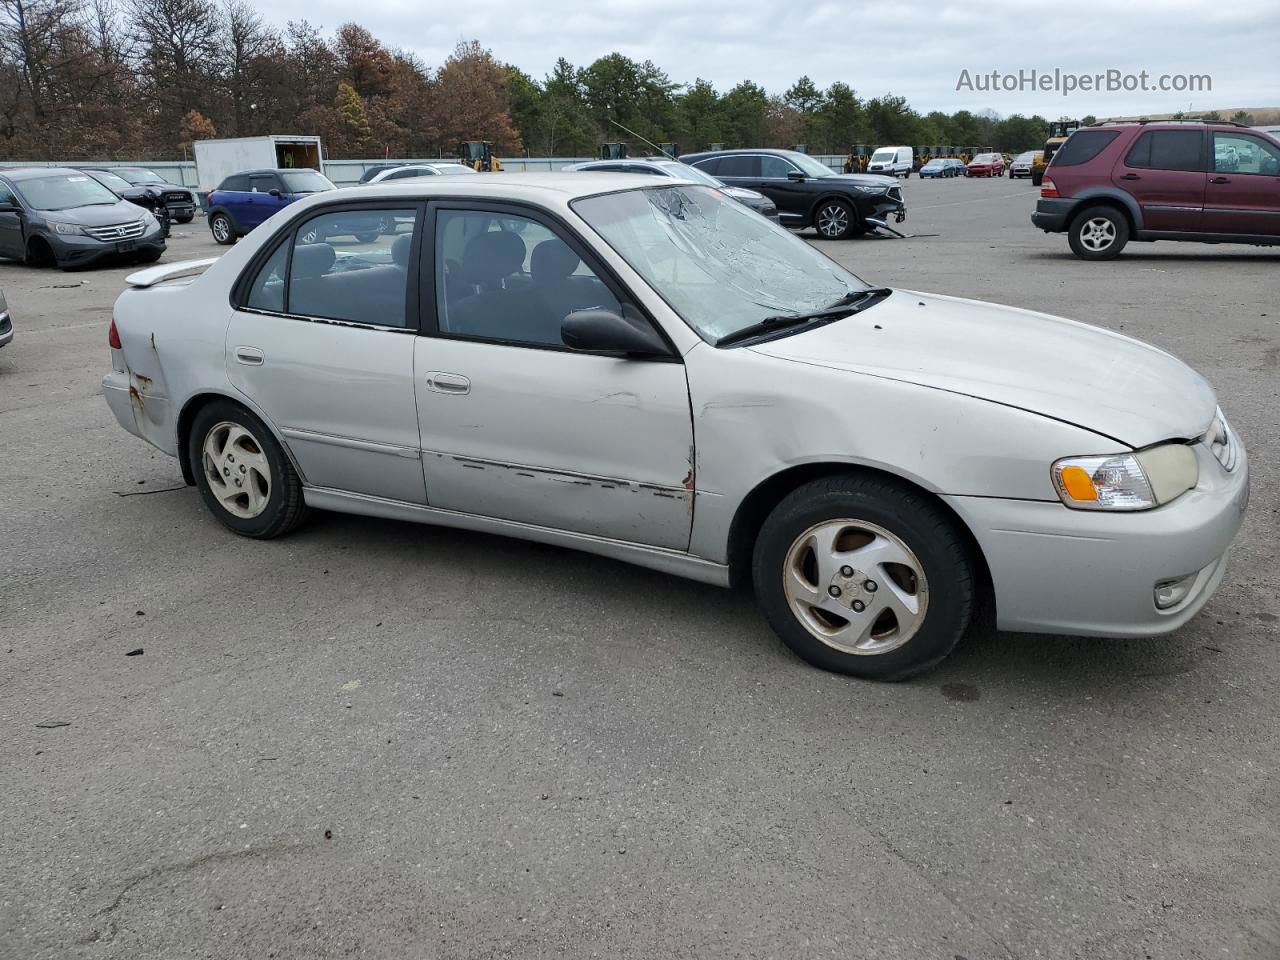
point(944, 167)
point(244, 200)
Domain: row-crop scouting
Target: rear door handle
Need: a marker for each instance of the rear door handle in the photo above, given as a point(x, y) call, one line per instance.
point(250, 355)
point(442, 382)
point(1220, 180)
point(1130, 176)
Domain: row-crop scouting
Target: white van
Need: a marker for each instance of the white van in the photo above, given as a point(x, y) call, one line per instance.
point(892, 161)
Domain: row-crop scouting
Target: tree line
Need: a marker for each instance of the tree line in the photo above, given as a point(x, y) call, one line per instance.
point(142, 79)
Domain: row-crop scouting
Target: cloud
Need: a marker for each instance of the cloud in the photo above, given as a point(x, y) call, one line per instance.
point(916, 50)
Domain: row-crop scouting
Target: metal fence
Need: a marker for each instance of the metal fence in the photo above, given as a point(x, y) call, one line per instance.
point(343, 172)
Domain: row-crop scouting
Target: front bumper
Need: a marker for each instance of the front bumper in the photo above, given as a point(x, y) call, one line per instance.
point(888, 205)
point(78, 251)
point(1052, 213)
point(1083, 573)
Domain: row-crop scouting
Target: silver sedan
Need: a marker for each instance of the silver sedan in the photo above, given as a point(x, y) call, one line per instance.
point(648, 371)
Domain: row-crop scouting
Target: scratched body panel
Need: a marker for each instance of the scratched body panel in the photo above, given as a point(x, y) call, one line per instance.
point(596, 445)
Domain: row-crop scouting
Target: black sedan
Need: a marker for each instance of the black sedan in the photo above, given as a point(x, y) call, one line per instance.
point(806, 192)
point(149, 185)
point(666, 167)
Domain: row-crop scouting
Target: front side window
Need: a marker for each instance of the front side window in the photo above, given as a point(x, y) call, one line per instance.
point(351, 265)
point(719, 265)
point(775, 168)
point(509, 278)
point(1239, 153)
point(1166, 150)
point(810, 166)
point(263, 184)
point(710, 166)
point(6, 195)
point(64, 191)
point(737, 166)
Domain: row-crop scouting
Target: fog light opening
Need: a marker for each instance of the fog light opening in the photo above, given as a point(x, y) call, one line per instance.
point(1170, 593)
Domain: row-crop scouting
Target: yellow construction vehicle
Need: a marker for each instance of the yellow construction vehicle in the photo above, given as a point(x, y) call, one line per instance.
point(478, 155)
point(1059, 130)
point(613, 151)
point(859, 157)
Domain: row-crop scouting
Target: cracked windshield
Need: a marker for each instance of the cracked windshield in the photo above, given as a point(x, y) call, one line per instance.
point(720, 266)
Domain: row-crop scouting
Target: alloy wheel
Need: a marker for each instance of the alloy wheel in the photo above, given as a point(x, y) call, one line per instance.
point(855, 586)
point(221, 229)
point(833, 220)
point(1097, 234)
point(237, 470)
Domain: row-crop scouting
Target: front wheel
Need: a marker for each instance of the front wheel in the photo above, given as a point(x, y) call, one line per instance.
point(835, 220)
point(864, 575)
point(224, 232)
point(185, 218)
point(1098, 233)
point(244, 476)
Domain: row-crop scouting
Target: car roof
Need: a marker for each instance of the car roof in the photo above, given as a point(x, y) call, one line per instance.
point(773, 151)
point(562, 187)
point(30, 173)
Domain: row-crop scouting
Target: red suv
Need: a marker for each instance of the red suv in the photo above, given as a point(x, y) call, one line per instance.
point(1161, 180)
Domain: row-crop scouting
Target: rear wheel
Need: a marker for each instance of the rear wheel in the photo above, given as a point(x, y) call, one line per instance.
point(864, 575)
point(244, 476)
point(224, 232)
point(835, 220)
point(1098, 233)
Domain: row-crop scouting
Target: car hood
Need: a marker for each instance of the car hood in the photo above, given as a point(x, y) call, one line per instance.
point(866, 179)
point(1105, 382)
point(96, 215)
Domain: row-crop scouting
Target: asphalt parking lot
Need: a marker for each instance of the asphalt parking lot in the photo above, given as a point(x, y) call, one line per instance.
point(373, 739)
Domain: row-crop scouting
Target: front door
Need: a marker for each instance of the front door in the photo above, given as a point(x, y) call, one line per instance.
point(323, 344)
point(514, 425)
point(259, 204)
point(11, 240)
point(1242, 195)
point(1164, 172)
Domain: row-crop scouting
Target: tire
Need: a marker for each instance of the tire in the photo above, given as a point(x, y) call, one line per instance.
point(151, 256)
point(367, 237)
point(1098, 233)
point(834, 220)
point(268, 500)
point(879, 529)
point(223, 230)
point(1037, 179)
point(186, 219)
point(40, 254)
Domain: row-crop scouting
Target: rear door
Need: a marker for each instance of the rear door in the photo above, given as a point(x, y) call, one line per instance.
point(1242, 194)
point(322, 343)
point(516, 426)
point(1164, 172)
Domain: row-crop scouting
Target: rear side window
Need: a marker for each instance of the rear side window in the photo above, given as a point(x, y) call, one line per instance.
point(1082, 146)
point(237, 182)
point(1167, 150)
point(267, 292)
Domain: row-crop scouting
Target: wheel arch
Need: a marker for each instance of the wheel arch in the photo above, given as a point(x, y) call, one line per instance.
point(858, 213)
point(769, 492)
point(1103, 197)
point(219, 209)
point(198, 401)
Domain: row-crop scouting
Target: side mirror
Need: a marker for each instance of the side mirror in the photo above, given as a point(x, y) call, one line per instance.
point(274, 193)
point(605, 331)
point(796, 175)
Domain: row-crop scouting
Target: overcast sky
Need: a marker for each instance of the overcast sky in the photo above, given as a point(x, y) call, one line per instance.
point(917, 50)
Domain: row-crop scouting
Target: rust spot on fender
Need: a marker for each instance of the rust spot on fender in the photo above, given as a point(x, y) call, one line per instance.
point(687, 482)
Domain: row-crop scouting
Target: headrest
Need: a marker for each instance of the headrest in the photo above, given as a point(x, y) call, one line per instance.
point(312, 260)
point(400, 249)
point(552, 260)
point(488, 257)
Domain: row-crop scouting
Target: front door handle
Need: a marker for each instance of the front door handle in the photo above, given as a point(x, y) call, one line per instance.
point(250, 355)
point(1130, 176)
point(442, 382)
point(1220, 180)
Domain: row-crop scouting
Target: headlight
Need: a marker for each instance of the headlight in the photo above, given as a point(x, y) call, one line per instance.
point(1127, 481)
point(66, 229)
point(149, 219)
point(861, 188)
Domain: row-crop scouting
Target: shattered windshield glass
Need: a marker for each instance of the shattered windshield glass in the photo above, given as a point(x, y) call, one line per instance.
point(719, 265)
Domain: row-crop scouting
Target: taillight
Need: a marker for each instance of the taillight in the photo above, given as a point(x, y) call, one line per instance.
point(113, 337)
point(1048, 188)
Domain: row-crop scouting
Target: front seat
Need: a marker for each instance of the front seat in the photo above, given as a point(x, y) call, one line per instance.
point(496, 312)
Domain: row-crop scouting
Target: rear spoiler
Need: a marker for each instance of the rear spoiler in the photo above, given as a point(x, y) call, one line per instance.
point(170, 271)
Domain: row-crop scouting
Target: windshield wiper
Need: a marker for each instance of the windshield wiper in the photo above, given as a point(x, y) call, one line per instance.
point(852, 302)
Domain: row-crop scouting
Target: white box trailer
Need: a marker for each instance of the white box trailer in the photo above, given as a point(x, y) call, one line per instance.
point(218, 159)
